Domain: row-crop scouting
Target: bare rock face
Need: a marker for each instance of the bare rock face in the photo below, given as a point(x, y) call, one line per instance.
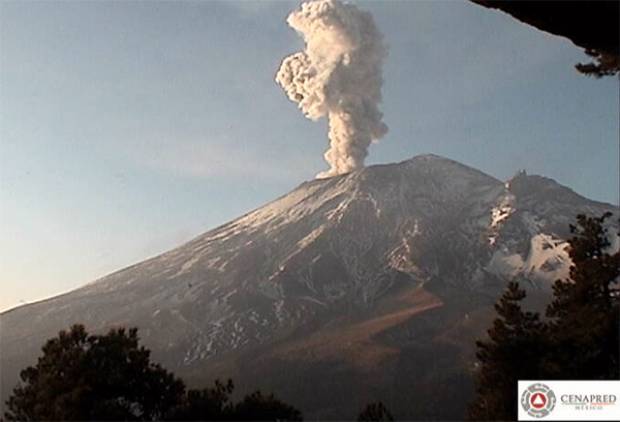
point(368, 286)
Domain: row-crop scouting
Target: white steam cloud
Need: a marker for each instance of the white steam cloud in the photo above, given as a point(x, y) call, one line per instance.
point(338, 75)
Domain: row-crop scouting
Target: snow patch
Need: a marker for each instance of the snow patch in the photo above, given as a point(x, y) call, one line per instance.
point(547, 260)
point(499, 214)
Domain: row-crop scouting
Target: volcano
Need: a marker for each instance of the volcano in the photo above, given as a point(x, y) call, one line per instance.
point(373, 285)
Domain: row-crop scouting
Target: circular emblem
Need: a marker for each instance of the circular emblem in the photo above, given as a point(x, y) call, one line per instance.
point(538, 400)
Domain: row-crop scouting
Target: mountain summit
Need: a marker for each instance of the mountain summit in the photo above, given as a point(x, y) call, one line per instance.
point(367, 286)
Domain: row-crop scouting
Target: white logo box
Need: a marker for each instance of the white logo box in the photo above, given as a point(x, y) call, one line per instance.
point(569, 400)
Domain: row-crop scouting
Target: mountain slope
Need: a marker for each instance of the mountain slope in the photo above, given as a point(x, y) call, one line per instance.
point(372, 285)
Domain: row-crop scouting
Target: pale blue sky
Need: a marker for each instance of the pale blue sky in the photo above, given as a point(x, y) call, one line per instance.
point(129, 127)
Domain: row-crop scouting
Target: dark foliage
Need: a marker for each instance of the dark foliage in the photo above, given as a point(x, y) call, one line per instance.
point(215, 404)
point(375, 412)
point(585, 313)
point(257, 406)
point(110, 377)
point(512, 351)
point(579, 340)
point(603, 64)
point(592, 25)
point(206, 404)
point(86, 377)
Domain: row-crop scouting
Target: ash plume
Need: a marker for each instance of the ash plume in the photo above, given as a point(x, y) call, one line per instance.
point(338, 75)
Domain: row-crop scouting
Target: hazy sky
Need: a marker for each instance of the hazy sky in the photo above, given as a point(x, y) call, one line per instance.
point(127, 128)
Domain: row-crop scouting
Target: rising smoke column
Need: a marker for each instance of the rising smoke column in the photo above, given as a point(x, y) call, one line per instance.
point(338, 75)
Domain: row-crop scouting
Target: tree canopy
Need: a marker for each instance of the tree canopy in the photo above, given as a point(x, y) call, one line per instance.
point(86, 377)
point(375, 412)
point(215, 404)
point(111, 377)
point(585, 313)
point(512, 351)
point(578, 340)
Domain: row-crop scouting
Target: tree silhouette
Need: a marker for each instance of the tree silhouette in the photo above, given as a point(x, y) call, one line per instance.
point(584, 315)
point(512, 351)
point(602, 64)
point(258, 407)
point(86, 377)
point(375, 412)
point(215, 404)
point(590, 25)
point(580, 339)
point(110, 377)
point(206, 404)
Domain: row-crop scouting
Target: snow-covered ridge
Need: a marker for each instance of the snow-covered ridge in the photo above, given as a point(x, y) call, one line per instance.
point(330, 247)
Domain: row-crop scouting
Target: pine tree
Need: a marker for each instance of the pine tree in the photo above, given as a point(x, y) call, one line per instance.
point(579, 340)
point(375, 412)
point(585, 313)
point(511, 352)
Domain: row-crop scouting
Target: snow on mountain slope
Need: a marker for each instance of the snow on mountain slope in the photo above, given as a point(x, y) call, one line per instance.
point(338, 252)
